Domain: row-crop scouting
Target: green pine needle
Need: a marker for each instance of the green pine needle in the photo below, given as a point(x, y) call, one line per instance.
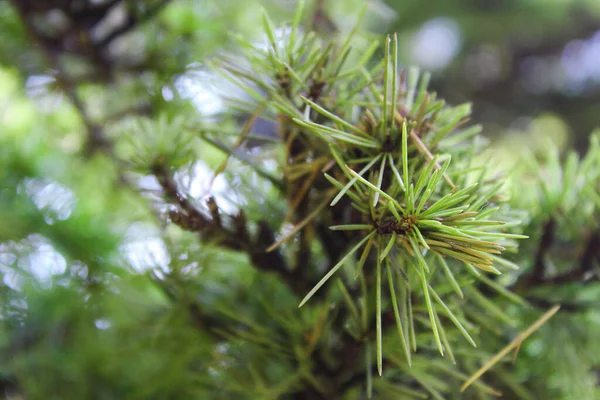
point(335, 268)
point(379, 328)
point(398, 318)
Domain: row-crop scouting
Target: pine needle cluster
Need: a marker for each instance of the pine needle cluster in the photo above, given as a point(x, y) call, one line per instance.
point(373, 244)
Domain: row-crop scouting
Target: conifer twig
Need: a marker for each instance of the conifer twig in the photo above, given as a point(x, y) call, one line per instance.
point(238, 239)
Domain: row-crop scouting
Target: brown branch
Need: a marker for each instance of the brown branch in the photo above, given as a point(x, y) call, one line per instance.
point(132, 23)
point(586, 261)
point(590, 254)
point(321, 22)
point(91, 14)
point(546, 242)
point(564, 306)
point(236, 238)
point(95, 134)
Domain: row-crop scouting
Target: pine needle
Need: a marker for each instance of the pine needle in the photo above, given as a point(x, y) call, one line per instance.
point(300, 225)
point(515, 343)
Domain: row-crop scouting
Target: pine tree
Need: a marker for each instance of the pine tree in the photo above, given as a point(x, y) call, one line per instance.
point(368, 242)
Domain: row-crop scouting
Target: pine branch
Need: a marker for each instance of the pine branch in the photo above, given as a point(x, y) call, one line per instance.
point(564, 306)
point(545, 244)
point(537, 277)
point(132, 23)
point(236, 238)
point(200, 319)
point(97, 140)
point(590, 253)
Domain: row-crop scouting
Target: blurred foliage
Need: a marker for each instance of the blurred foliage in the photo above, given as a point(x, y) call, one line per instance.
point(145, 169)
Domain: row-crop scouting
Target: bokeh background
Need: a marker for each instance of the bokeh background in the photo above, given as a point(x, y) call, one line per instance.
point(525, 64)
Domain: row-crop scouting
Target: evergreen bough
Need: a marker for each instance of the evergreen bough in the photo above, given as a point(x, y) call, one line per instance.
point(411, 254)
